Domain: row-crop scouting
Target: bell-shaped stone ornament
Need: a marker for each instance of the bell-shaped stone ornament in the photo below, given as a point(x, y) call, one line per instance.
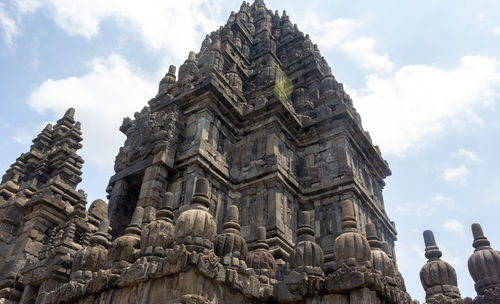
point(195, 228)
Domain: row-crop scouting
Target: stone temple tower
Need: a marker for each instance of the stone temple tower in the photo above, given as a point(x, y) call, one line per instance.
point(247, 179)
point(258, 113)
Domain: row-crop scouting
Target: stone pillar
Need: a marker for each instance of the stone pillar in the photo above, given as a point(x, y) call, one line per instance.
point(203, 129)
point(213, 137)
point(484, 267)
point(153, 185)
point(274, 222)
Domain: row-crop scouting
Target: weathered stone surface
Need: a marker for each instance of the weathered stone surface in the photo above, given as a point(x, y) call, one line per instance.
point(195, 228)
point(351, 247)
point(247, 179)
point(380, 260)
point(230, 245)
point(438, 277)
point(260, 259)
point(484, 263)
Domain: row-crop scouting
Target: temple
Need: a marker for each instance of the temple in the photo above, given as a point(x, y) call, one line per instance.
point(248, 178)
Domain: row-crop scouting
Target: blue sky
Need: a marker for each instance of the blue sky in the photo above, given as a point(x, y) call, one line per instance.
point(425, 77)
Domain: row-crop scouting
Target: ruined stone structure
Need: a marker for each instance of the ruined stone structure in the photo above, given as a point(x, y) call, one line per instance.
point(247, 179)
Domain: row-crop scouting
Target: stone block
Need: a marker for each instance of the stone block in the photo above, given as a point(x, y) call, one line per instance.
point(336, 299)
point(364, 295)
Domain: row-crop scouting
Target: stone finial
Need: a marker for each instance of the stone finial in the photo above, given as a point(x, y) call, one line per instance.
point(260, 259)
point(92, 258)
point(159, 234)
point(348, 219)
point(244, 6)
point(230, 245)
point(371, 236)
point(136, 222)
point(166, 208)
point(438, 278)
point(48, 128)
point(480, 241)
point(232, 219)
point(307, 256)
point(168, 80)
point(171, 69)
point(431, 249)
point(205, 44)
point(305, 231)
point(232, 17)
point(101, 236)
point(98, 210)
point(216, 44)
point(124, 249)
point(201, 188)
point(261, 238)
point(212, 59)
point(234, 78)
point(70, 113)
point(200, 197)
point(328, 84)
point(149, 215)
point(192, 55)
point(380, 260)
point(196, 227)
point(189, 69)
point(351, 247)
point(484, 263)
point(307, 45)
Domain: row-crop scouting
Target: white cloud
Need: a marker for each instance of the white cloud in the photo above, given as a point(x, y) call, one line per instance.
point(454, 226)
point(427, 208)
point(10, 22)
point(8, 26)
point(25, 134)
point(339, 34)
point(327, 34)
point(456, 174)
point(466, 154)
point(497, 30)
point(174, 28)
point(27, 6)
point(457, 261)
point(404, 110)
point(362, 51)
point(102, 97)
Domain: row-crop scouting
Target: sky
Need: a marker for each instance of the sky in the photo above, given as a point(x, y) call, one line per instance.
point(424, 75)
